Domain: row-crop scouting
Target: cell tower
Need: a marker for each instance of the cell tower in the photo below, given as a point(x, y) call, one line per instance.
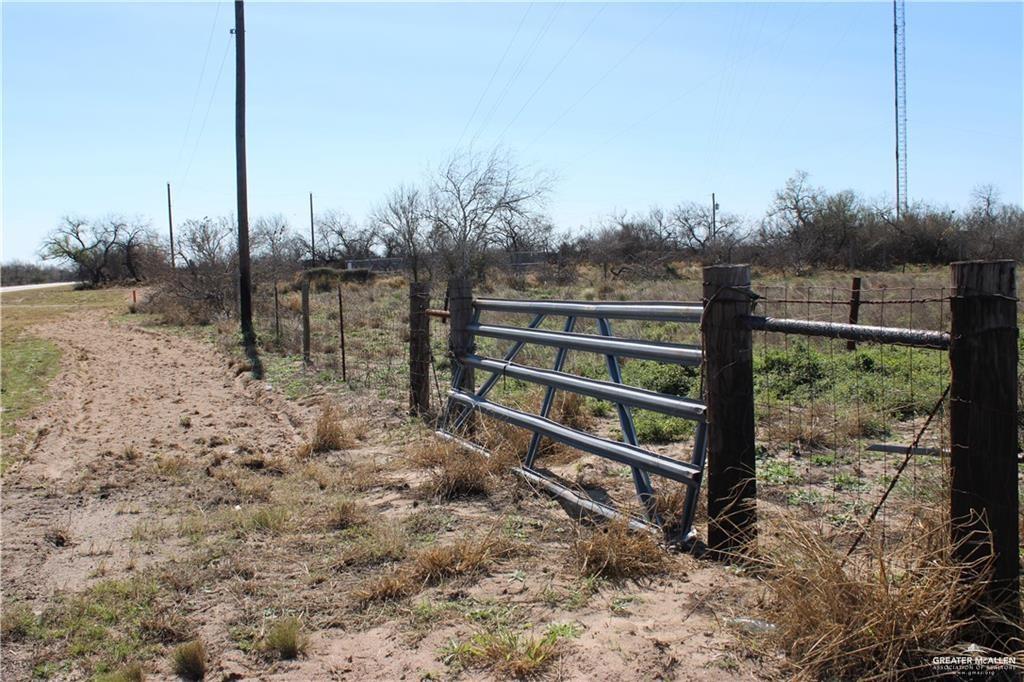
point(900, 75)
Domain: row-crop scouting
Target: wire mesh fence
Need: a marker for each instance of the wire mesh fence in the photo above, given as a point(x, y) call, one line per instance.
point(835, 419)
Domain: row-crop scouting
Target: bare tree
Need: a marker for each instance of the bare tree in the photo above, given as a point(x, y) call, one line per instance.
point(403, 228)
point(90, 248)
point(340, 238)
point(471, 195)
point(135, 240)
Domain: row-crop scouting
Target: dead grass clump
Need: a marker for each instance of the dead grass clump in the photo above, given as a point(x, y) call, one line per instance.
point(464, 474)
point(888, 610)
point(286, 638)
point(346, 513)
point(189, 660)
point(329, 431)
point(58, 535)
point(571, 410)
point(433, 565)
point(379, 544)
point(615, 552)
point(16, 622)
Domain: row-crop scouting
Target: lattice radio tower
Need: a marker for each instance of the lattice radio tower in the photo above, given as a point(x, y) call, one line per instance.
point(900, 76)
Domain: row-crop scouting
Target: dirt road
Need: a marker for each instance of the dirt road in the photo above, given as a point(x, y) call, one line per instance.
point(155, 458)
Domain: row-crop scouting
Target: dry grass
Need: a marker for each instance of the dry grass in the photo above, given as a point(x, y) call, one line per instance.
point(888, 610)
point(189, 660)
point(346, 513)
point(132, 672)
point(286, 639)
point(456, 472)
point(378, 544)
point(432, 566)
point(613, 551)
point(329, 432)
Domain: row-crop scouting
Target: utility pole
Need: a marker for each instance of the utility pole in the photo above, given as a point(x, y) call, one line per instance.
point(312, 238)
point(714, 215)
point(170, 223)
point(244, 274)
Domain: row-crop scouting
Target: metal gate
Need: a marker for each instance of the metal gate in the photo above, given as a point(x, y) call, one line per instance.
point(644, 463)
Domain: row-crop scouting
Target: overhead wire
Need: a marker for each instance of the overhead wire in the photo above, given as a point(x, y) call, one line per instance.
point(209, 105)
point(518, 70)
point(551, 71)
point(199, 85)
point(494, 74)
point(626, 55)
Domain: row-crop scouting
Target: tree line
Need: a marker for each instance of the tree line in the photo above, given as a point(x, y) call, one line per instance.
point(476, 206)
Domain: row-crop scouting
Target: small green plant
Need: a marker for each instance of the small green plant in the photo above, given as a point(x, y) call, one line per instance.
point(189, 660)
point(17, 622)
point(653, 427)
point(775, 472)
point(286, 638)
point(848, 481)
point(132, 672)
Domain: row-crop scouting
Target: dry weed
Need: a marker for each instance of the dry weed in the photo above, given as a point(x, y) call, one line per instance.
point(890, 610)
point(433, 565)
point(346, 513)
point(286, 639)
point(189, 660)
point(329, 432)
point(613, 551)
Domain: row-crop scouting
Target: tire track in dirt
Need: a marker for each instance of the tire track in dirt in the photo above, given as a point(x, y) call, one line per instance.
point(125, 399)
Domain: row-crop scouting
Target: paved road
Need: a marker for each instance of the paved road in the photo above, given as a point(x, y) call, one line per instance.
point(26, 287)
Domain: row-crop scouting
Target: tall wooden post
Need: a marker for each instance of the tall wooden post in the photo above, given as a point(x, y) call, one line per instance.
point(854, 308)
point(305, 320)
point(460, 338)
point(419, 348)
point(244, 274)
point(729, 382)
point(983, 436)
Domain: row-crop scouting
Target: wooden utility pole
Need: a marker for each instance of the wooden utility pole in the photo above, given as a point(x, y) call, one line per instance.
point(983, 438)
point(729, 381)
point(312, 236)
point(714, 216)
point(244, 273)
point(170, 223)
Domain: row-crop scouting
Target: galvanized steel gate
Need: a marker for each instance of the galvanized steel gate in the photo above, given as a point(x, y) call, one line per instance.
point(461, 403)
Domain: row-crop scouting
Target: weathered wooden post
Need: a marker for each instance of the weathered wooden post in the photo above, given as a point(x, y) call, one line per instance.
point(854, 308)
point(419, 348)
point(983, 436)
point(460, 338)
point(305, 320)
point(729, 382)
point(341, 334)
point(277, 316)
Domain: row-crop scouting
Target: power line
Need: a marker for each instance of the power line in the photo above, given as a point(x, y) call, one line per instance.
point(494, 74)
point(199, 85)
point(519, 68)
point(552, 70)
point(209, 105)
point(604, 75)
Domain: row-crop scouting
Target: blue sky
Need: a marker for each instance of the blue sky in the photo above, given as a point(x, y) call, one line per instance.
point(628, 104)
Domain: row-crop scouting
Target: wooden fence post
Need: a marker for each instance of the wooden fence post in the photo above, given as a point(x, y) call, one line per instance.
point(277, 316)
point(341, 335)
point(854, 308)
point(983, 436)
point(419, 348)
point(460, 339)
point(729, 382)
point(305, 320)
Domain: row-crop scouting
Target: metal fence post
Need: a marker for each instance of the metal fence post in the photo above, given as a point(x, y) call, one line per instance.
point(729, 385)
point(460, 338)
point(419, 348)
point(983, 436)
point(305, 320)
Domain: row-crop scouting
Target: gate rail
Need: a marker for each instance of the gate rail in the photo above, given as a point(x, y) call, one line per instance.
point(465, 400)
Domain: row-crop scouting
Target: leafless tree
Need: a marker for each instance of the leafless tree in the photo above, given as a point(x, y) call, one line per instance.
point(402, 226)
point(471, 196)
point(89, 247)
point(135, 240)
point(340, 238)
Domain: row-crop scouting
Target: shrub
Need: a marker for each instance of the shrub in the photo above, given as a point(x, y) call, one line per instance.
point(661, 377)
point(654, 427)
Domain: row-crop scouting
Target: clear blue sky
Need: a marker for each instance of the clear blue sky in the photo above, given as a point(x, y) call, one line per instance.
point(630, 105)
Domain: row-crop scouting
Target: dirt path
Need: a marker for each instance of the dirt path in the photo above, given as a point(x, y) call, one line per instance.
point(153, 454)
point(127, 399)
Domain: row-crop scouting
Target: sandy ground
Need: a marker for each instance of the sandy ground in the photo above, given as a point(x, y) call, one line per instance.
point(131, 399)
